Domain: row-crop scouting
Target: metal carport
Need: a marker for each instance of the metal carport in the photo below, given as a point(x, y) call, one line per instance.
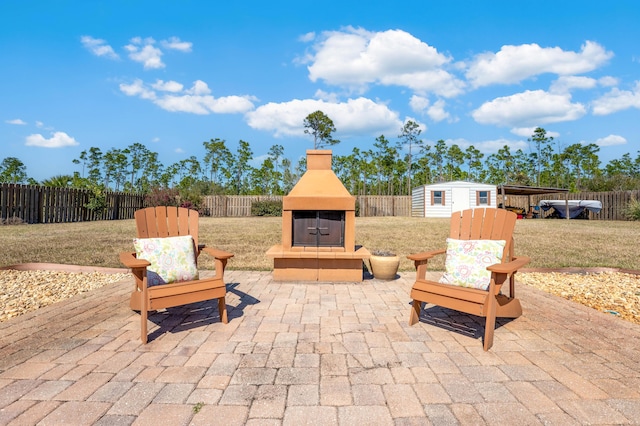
point(532, 190)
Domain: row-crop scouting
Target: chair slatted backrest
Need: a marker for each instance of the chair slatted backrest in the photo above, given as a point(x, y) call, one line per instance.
point(485, 224)
point(167, 221)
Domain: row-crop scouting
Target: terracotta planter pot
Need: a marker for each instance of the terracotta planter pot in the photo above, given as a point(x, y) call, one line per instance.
point(384, 267)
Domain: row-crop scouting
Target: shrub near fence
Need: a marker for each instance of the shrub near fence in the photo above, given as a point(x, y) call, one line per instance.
point(232, 205)
point(43, 204)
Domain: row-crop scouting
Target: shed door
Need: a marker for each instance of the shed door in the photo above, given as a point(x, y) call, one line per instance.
point(459, 199)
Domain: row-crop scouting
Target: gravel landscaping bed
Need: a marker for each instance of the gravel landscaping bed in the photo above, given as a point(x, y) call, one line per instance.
point(26, 291)
point(616, 293)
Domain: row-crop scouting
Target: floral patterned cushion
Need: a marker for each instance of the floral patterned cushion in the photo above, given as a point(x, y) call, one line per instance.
point(467, 260)
point(172, 259)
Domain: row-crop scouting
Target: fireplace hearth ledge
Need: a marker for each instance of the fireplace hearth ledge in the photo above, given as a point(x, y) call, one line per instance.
point(331, 266)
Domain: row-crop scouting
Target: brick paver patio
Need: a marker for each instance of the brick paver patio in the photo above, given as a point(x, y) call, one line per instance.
point(316, 353)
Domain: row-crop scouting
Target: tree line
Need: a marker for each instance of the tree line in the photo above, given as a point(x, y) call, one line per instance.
point(384, 167)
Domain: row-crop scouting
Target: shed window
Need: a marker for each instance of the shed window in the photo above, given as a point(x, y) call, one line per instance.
point(483, 198)
point(437, 198)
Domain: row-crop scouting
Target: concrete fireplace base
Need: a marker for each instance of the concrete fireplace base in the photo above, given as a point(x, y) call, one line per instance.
point(329, 266)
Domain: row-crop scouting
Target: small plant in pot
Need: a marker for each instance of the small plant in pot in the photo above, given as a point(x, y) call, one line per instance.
point(384, 264)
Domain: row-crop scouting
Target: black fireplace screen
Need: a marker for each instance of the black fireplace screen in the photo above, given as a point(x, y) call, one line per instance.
point(318, 228)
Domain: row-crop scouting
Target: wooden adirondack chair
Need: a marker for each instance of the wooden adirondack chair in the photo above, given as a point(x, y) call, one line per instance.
point(474, 224)
point(163, 222)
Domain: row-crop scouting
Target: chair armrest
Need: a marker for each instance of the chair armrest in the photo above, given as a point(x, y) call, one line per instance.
point(420, 261)
point(509, 267)
point(218, 254)
point(130, 260)
point(220, 257)
point(425, 255)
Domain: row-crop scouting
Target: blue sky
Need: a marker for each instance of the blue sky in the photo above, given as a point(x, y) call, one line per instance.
point(170, 75)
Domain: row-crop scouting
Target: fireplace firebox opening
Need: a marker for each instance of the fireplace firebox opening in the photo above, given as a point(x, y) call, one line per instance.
point(320, 228)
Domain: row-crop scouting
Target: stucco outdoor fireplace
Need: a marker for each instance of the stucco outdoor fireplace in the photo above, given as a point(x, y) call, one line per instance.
point(318, 228)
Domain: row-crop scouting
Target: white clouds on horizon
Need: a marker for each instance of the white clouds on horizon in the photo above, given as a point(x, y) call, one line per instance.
point(57, 140)
point(611, 140)
point(617, 100)
point(355, 116)
point(435, 111)
point(528, 132)
point(529, 108)
point(493, 146)
point(486, 147)
point(195, 100)
point(512, 64)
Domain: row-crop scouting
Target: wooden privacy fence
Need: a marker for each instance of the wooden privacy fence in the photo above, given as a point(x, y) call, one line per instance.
point(384, 205)
point(43, 204)
point(40, 204)
point(232, 205)
point(614, 203)
point(240, 205)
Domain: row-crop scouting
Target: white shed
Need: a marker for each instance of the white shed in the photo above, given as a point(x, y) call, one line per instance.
point(442, 199)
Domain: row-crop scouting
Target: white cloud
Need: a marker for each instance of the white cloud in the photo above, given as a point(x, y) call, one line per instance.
point(493, 146)
point(308, 37)
point(145, 52)
point(608, 81)
point(419, 104)
point(355, 116)
point(617, 100)
point(565, 84)
point(486, 147)
point(16, 121)
point(199, 88)
point(98, 47)
point(356, 58)
point(437, 112)
point(611, 140)
point(529, 108)
point(204, 105)
point(527, 132)
point(195, 100)
point(513, 64)
point(174, 43)
point(167, 86)
point(137, 88)
point(325, 96)
point(57, 140)
point(423, 127)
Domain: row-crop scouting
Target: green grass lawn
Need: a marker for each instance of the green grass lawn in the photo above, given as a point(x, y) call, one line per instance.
point(550, 243)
